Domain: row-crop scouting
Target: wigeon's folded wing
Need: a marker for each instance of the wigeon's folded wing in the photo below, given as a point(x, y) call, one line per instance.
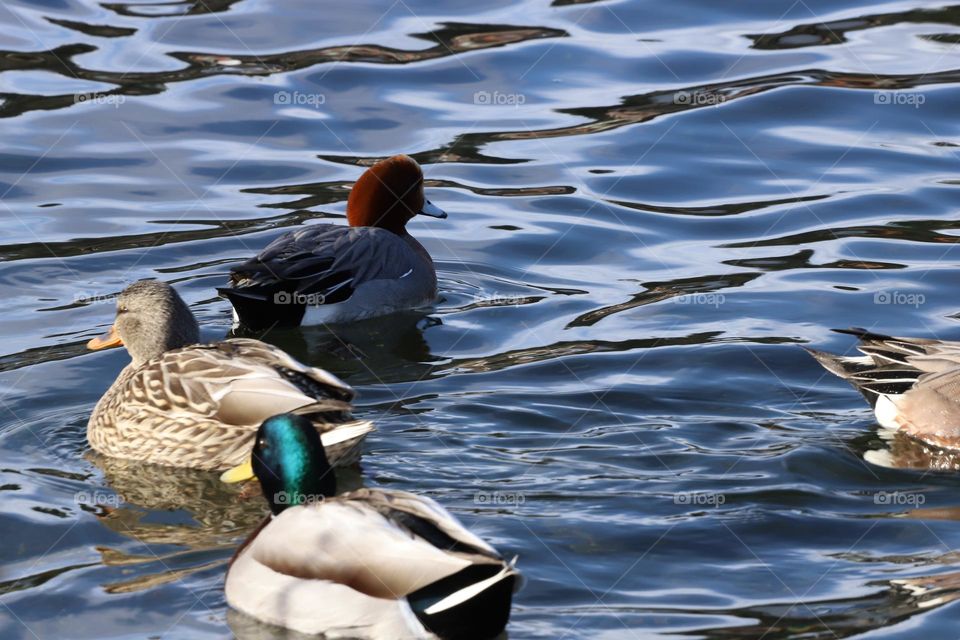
point(320, 264)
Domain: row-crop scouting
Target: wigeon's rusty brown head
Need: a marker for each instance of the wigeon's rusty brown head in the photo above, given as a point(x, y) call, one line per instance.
point(388, 195)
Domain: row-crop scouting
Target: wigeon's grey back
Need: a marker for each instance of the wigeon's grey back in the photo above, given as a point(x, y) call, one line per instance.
point(330, 273)
point(913, 384)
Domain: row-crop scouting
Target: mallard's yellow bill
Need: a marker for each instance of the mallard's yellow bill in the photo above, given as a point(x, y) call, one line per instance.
point(109, 339)
point(237, 474)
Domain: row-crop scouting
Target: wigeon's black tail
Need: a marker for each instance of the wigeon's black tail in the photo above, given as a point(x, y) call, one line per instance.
point(258, 309)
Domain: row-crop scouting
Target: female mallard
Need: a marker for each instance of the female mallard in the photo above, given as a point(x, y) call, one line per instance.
point(183, 404)
point(371, 563)
point(327, 273)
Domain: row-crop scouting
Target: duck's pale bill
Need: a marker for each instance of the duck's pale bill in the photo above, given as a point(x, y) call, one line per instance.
point(432, 210)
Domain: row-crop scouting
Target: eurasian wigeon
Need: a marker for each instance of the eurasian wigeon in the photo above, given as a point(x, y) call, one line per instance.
point(328, 273)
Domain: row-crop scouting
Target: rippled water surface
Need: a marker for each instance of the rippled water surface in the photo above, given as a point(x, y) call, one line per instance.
point(652, 205)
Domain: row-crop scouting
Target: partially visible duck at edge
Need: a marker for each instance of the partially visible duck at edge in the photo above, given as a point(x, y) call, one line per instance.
point(911, 383)
point(327, 273)
point(370, 563)
point(183, 404)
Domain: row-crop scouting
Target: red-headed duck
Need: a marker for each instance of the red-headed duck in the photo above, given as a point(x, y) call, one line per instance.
point(329, 273)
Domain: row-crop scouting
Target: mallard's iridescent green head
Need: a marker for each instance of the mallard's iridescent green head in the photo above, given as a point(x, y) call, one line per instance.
point(289, 461)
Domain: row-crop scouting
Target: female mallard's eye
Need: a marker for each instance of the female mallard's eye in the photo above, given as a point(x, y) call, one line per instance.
point(121, 310)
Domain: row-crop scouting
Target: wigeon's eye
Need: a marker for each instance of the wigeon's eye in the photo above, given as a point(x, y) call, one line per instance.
point(262, 444)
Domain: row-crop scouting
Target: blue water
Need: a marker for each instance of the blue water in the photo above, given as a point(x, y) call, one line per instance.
point(651, 206)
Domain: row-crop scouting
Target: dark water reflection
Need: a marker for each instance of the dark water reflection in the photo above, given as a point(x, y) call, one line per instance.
point(652, 205)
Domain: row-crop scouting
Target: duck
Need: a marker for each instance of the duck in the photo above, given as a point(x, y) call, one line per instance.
point(327, 274)
point(368, 563)
point(179, 403)
point(911, 383)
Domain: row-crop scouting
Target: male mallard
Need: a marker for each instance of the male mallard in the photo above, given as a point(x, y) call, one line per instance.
point(371, 563)
point(911, 383)
point(183, 404)
point(327, 273)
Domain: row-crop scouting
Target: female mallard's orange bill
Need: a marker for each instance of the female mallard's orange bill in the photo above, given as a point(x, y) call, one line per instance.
point(109, 339)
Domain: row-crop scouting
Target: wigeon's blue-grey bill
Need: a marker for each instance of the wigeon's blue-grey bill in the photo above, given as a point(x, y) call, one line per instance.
point(432, 210)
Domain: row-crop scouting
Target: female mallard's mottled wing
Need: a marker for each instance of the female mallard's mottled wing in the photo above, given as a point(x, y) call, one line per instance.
point(200, 406)
point(314, 382)
point(236, 382)
point(344, 540)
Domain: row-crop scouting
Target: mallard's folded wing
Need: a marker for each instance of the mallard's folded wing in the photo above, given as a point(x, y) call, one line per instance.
point(236, 382)
point(200, 406)
point(355, 546)
point(314, 381)
point(426, 519)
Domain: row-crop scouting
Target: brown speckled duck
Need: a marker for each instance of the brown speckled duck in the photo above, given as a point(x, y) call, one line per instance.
point(183, 404)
